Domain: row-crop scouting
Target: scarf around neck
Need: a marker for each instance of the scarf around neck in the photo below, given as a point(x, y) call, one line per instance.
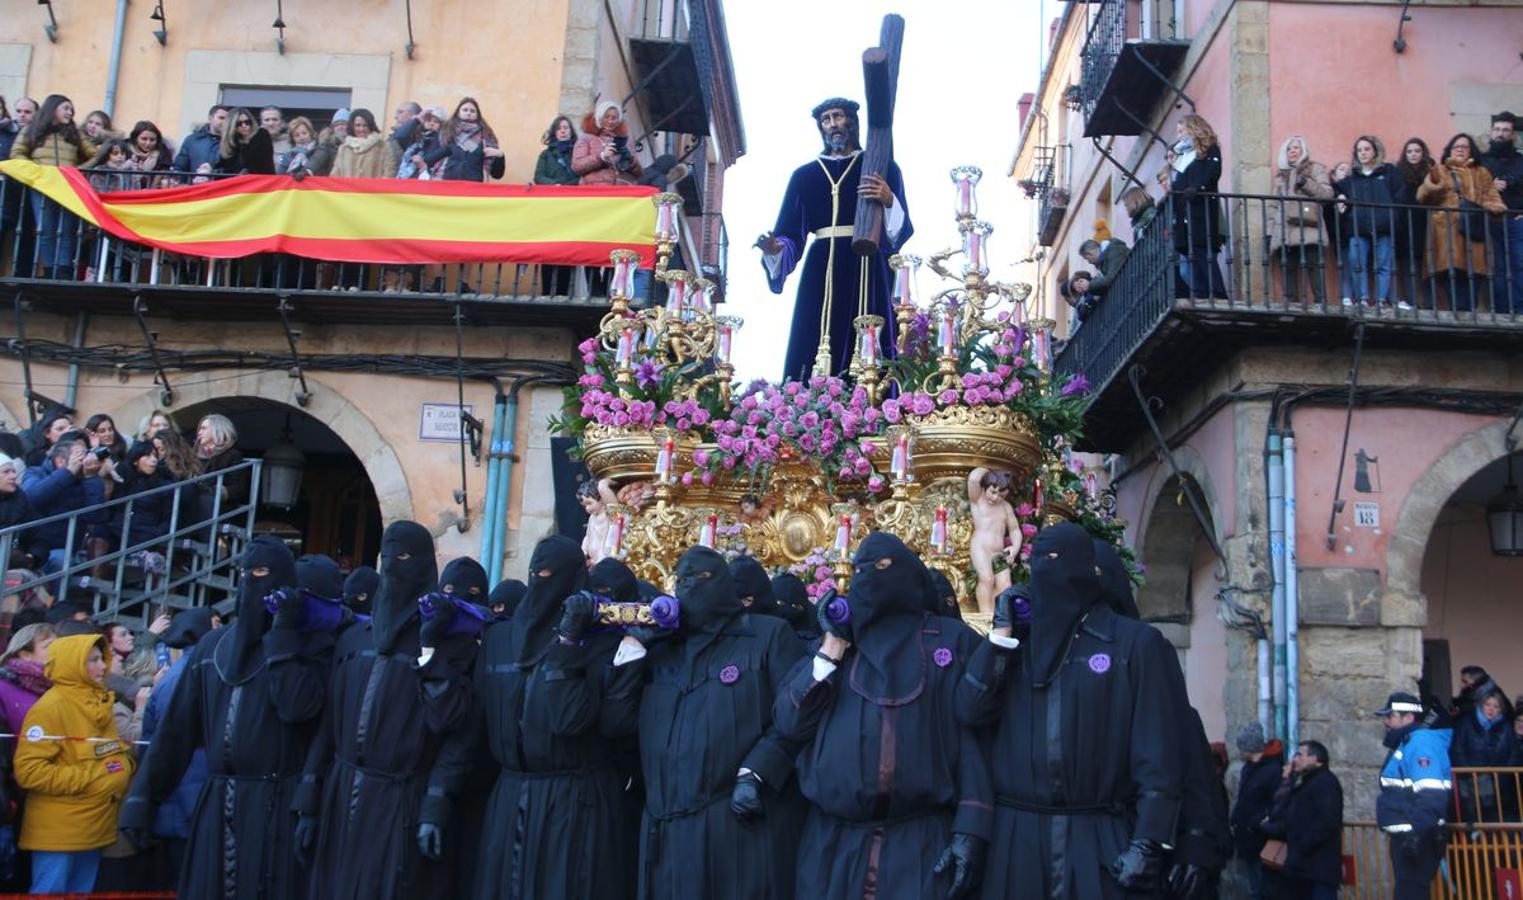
point(26, 674)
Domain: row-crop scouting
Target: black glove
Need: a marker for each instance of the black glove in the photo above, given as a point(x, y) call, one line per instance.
point(1004, 608)
point(965, 856)
point(290, 609)
point(1187, 881)
point(745, 800)
point(306, 836)
point(141, 838)
point(577, 614)
point(842, 630)
point(1139, 866)
point(649, 635)
point(431, 841)
point(436, 626)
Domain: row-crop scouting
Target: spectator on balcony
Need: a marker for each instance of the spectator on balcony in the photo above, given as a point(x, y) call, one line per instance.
point(1505, 164)
point(13, 122)
point(151, 512)
point(308, 154)
point(467, 146)
point(1140, 209)
point(69, 480)
point(1296, 234)
point(101, 430)
point(152, 424)
point(1456, 234)
point(150, 153)
point(98, 127)
point(203, 147)
point(216, 447)
point(246, 148)
point(112, 167)
point(1412, 224)
point(8, 129)
point(363, 153)
point(1370, 188)
point(176, 453)
point(53, 140)
point(56, 421)
point(1198, 222)
point(554, 167)
point(1077, 294)
point(425, 133)
point(405, 126)
point(1106, 256)
point(602, 154)
point(1484, 739)
point(15, 508)
point(273, 121)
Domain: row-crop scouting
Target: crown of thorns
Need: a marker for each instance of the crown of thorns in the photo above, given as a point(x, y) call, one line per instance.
point(850, 106)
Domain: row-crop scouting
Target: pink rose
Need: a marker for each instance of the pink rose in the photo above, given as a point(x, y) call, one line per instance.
point(875, 483)
point(1028, 531)
point(701, 457)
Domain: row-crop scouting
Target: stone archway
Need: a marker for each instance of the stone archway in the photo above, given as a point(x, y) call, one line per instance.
point(1403, 603)
point(1166, 538)
point(328, 405)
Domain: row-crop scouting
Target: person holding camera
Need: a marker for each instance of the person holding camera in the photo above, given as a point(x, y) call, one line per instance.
point(602, 154)
point(71, 478)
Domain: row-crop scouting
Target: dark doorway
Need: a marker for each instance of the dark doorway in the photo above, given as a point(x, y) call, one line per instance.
point(336, 511)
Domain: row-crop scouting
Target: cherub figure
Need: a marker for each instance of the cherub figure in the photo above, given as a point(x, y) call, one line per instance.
point(753, 510)
point(595, 497)
point(996, 543)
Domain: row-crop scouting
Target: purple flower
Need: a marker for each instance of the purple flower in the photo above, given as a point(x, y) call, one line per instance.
point(1076, 385)
point(875, 483)
point(701, 457)
point(648, 374)
point(922, 404)
point(947, 398)
point(807, 443)
point(891, 411)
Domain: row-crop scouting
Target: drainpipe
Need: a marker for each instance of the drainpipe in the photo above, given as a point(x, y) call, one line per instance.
point(505, 480)
point(1277, 567)
point(1292, 598)
point(1266, 689)
point(114, 67)
point(489, 505)
point(71, 390)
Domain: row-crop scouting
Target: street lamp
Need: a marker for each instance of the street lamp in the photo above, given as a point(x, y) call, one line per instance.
point(283, 468)
point(1504, 518)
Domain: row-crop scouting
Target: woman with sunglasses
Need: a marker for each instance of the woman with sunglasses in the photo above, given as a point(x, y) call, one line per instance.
point(246, 148)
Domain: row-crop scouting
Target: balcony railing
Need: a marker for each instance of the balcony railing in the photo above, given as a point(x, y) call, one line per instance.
point(1102, 46)
point(189, 562)
point(84, 254)
point(1049, 184)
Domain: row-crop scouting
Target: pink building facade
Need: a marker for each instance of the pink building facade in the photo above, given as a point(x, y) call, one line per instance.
point(1381, 576)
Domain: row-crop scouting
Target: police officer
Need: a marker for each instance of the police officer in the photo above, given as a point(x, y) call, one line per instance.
point(1414, 795)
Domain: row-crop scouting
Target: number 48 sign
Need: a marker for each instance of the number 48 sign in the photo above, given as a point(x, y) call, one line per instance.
point(1366, 514)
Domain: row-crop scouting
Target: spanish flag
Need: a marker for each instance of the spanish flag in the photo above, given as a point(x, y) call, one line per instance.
point(370, 220)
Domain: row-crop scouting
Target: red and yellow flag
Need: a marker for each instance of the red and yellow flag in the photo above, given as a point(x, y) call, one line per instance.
point(373, 220)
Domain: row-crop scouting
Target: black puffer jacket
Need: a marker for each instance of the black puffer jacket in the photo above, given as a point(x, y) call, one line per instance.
point(1380, 186)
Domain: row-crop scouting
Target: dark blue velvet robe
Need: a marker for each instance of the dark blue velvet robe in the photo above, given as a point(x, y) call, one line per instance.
point(806, 208)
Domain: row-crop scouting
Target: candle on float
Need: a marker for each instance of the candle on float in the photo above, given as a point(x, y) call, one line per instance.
point(948, 335)
point(868, 348)
point(902, 294)
point(664, 459)
point(901, 462)
point(964, 197)
point(975, 250)
point(620, 285)
point(710, 531)
point(939, 530)
point(626, 352)
point(726, 338)
point(676, 296)
point(614, 546)
point(666, 221)
point(1038, 495)
point(843, 535)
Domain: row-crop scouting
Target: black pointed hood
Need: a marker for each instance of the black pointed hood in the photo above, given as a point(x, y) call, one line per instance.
point(792, 601)
point(1115, 582)
point(360, 588)
point(188, 627)
point(1064, 587)
point(888, 599)
point(614, 580)
point(408, 571)
point(557, 569)
point(705, 591)
point(465, 578)
point(265, 567)
point(318, 574)
point(753, 587)
point(944, 602)
point(507, 595)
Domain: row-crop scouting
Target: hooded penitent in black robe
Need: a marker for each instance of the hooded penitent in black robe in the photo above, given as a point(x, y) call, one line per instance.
point(250, 697)
point(552, 825)
point(368, 771)
point(944, 603)
point(806, 209)
point(792, 600)
point(753, 587)
point(1204, 840)
point(1086, 734)
point(705, 714)
point(359, 589)
point(505, 598)
point(889, 773)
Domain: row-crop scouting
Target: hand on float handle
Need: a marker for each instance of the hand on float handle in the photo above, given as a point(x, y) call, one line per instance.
point(746, 799)
point(1139, 867)
point(577, 615)
point(965, 857)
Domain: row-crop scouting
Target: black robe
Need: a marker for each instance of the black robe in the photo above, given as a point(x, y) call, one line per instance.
point(256, 722)
point(553, 821)
point(1101, 742)
point(704, 714)
point(806, 208)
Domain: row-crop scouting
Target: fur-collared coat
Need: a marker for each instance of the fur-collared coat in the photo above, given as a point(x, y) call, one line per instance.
point(587, 160)
point(1298, 221)
point(1448, 248)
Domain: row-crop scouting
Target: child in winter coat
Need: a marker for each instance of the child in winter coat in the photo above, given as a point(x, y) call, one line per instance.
point(74, 787)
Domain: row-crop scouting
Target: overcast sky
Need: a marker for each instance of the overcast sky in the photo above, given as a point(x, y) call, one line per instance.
point(963, 69)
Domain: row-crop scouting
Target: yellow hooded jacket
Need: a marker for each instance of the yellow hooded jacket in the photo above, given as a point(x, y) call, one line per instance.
point(74, 787)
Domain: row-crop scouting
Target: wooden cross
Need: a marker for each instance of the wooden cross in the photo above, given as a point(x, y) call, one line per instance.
point(880, 76)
